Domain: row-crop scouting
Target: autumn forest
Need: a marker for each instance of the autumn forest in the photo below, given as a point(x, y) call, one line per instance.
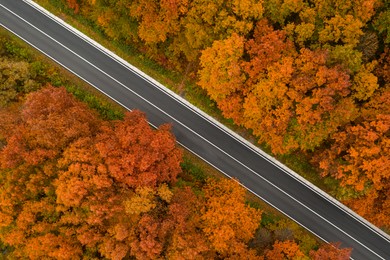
point(303, 77)
point(81, 179)
point(308, 77)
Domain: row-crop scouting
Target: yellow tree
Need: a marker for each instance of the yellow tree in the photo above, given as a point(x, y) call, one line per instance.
point(297, 101)
point(15, 79)
point(226, 220)
point(342, 29)
point(158, 19)
point(222, 76)
point(209, 20)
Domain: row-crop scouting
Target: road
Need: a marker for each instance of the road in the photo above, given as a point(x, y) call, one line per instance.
point(220, 148)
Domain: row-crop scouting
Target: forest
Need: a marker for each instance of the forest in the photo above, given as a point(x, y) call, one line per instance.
point(304, 77)
point(80, 182)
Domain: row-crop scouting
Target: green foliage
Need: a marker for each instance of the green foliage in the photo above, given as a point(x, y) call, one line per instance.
point(194, 170)
point(22, 72)
point(104, 108)
point(382, 23)
point(5, 251)
point(346, 56)
point(13, 49)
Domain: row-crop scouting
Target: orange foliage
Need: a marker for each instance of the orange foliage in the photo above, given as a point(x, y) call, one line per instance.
point(331, 251)
point(104, 189)
point(47, 127)
point(226, 220)
point(267, 47)
point(222, 75)
point(290, 100)
point(148, 245)
point(297, 101)
point(136, 155)
point(61, 189)
point(284, 250)
point(158, 19)
point(382, 71)
point(359, 159)
point(366, 146)
point(182, 225)
point(73, 4)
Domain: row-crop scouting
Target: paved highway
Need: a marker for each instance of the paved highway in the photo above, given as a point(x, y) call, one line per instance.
point(194, 130)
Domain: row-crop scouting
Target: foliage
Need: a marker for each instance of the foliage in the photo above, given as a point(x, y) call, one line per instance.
point(331, 251)
point(284, 250)
point(73, 195)
point(308, 77)
point(225, 218)
point(74, 180)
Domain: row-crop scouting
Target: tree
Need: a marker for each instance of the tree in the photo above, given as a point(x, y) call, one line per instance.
point(365, 145)
point(207, 21)
point(360, 9)
point(136, 155)
point(365, 83)
point(149, 245)
point(222, 76)
point(297, 101)
point(382, 23)
point(358, 159)
point(382, 71)
point(267, 47)
point(278, 11)
point(285, 229)
point(182, 225)
point(15, 79)
point(284, 250)
point(226, 220)
point(50, 120)
point(291, 100)
point(158, 19)
point(342, 29)
point(48, 127)
point(331, 251)
point(62, 195)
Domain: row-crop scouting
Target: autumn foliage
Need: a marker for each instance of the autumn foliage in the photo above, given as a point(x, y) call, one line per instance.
point(307, 77)
point(64, 179)
point(331, 251)
point(73, 185)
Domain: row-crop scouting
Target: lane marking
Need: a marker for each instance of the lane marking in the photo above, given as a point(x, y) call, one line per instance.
point(213, 121)
point(118, 82)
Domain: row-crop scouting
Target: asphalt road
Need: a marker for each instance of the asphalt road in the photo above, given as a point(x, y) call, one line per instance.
point(194, 131)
